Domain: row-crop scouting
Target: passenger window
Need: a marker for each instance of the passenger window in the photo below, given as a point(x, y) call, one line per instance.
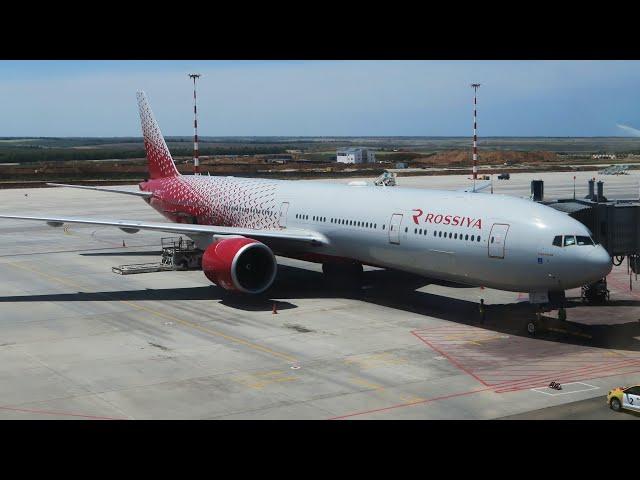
point(557, 240)
point(584, 240)
point(455, 236)
point(472, 237)
point(478, 238)
point(450, 234)
point(439, 234)
point(492, 239)
point(466, 237)
point(569, 240)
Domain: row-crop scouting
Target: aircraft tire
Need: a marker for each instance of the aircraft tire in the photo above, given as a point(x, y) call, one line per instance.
point(531, 328)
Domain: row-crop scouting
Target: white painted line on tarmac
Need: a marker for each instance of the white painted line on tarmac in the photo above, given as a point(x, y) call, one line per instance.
point(545, 390)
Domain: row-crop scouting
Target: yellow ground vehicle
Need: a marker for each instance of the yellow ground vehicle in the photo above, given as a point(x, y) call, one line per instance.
point(624, 397)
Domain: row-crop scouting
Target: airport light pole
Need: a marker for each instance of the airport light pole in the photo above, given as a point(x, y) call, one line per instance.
point(475, 87)
point(196, 160)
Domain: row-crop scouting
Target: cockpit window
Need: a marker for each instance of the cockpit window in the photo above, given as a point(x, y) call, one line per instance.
point(584, 240)
point(569, 240)
point(557, 240)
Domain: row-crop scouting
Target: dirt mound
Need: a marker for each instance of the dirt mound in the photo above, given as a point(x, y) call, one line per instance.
point(491, 157)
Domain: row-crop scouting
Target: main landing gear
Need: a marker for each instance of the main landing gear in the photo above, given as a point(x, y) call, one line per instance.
point(555, 299)
point(595, 293)
point(343, 276)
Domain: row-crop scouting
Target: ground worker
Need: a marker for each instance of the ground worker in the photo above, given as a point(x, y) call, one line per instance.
point(482, 312)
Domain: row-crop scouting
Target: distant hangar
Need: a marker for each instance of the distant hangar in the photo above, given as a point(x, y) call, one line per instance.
point(356, 155)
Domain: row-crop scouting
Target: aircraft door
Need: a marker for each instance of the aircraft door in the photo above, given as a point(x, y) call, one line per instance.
point(394, 228)
point(497, 240)
point(282, 218)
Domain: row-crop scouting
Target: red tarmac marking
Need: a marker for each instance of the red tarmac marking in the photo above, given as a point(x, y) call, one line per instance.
point(507, 390)
point(410, 404)
point(566, 375)
point(45, 412)
point(577, 371)
point(516, 377)
point(461, 367)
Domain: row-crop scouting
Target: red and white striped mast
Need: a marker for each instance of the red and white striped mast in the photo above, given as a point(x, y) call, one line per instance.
point(196, 160)
point(475, 87)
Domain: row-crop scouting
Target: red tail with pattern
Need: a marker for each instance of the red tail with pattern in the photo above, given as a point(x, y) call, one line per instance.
point(159, 158)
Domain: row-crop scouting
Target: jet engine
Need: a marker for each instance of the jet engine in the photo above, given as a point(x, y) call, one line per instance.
point(240, 264)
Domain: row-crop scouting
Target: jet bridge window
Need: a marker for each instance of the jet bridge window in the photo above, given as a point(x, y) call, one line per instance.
point(569, 240)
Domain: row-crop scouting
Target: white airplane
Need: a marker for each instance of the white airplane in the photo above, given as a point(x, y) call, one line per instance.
point(495, 241)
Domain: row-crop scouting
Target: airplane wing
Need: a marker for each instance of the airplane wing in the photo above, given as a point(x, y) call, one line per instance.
point(290, 234)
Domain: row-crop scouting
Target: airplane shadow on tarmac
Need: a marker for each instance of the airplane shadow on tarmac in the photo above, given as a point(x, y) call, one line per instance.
point(381, 287)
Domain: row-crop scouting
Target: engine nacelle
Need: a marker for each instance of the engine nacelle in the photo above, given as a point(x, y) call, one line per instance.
point(240, 264)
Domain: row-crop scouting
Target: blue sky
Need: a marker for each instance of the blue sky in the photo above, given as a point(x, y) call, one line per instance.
point(330, 98)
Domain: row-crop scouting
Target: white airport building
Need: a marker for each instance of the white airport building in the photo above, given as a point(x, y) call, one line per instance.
point(356, 155)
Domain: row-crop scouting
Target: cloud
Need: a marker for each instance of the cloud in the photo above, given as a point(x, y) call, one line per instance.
point(633, 131)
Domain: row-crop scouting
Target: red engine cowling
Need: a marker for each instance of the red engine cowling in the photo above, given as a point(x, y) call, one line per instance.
point(240, 264)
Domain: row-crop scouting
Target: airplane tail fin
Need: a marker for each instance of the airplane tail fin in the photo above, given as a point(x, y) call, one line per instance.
point(159, 158)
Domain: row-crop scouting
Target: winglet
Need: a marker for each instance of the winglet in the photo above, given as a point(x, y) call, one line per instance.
point(159, 158)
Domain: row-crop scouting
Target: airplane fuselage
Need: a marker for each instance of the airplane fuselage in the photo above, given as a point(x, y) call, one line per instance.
point(495, 241)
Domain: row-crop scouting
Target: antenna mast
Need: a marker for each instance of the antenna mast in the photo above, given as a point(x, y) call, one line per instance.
point(475, 87)
point(196, 160)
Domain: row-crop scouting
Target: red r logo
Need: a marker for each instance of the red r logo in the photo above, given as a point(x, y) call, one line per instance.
point(417, 215)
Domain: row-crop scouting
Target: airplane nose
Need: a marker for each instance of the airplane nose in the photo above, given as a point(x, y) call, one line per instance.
point(599, 263)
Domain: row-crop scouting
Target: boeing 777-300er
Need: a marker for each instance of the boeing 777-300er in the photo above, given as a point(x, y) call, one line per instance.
point(495, 241)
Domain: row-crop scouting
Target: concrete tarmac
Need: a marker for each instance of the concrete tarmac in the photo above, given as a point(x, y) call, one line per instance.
point(78, 341)
point(590, 409)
